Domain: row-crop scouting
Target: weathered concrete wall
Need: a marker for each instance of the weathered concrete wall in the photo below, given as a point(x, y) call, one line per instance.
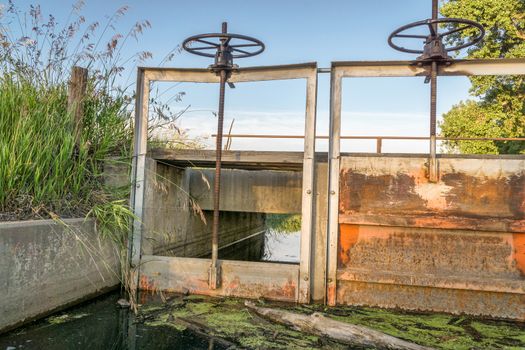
point(457, 245)
point(176, 223)
point(45, 266)
point(255, 191)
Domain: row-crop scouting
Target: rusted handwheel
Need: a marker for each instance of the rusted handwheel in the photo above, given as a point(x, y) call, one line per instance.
point(223, 46)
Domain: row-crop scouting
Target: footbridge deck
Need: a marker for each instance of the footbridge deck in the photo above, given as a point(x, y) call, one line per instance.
point(248, 160)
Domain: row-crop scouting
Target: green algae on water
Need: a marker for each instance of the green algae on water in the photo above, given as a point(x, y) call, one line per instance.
point(227, 318)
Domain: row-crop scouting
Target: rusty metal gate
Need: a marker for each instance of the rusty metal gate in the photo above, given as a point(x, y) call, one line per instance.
point(468, 207)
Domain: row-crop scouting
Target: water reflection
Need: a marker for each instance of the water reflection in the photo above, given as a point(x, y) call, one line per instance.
point(269, 245)
point(279, 242)
point(282, 246)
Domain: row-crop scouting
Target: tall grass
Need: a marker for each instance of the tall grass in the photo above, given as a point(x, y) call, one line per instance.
point(43, 172)
point(37, 166)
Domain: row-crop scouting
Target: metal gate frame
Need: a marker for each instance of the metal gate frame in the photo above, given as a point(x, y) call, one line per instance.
point(245, 279)
point(355, 69)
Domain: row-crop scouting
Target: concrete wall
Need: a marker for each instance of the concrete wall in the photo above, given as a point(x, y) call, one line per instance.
point(457, 245)
point(256, 191)
point(45, 266)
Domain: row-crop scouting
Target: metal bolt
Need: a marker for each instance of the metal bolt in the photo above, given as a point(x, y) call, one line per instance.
point(308, 191)
point(138, 185)
point(305, 278)
point(332, 192)
point(329, 280)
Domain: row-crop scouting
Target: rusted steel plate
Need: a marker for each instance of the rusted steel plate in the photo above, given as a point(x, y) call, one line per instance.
point(482, 258)
point(456, 246)
point(239, 278)
point(393, 265)
point(456, 301)
point(487, 194)
point(434, 281)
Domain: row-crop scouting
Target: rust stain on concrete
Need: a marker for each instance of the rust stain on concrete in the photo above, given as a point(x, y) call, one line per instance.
point(289, 289)
point(519, 251)
point(348, 236)
point(146, 283)
point(331, 294)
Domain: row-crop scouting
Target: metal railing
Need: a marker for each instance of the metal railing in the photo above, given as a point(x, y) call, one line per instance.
point(379, 139)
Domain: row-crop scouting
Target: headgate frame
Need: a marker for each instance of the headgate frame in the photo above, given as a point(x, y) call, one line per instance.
point(271, 280)
point(156, 270)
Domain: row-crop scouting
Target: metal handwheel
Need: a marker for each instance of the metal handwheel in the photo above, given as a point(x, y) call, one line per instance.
point(223, 46)
point(434, 47)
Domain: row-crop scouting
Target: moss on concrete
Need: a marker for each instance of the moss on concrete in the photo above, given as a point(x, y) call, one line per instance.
point(227, 318)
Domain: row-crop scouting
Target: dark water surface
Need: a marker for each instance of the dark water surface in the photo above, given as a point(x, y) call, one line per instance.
point(99, 324)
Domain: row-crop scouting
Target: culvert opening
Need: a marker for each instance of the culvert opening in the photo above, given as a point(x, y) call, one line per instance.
point(277, 241)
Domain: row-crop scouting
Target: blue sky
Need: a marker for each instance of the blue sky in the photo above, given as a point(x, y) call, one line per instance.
point(294, 32)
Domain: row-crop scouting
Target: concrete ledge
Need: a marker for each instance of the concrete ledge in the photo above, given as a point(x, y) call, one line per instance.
point(46, 266)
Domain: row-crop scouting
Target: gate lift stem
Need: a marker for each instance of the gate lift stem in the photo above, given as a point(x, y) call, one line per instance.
point(435, 52)
point(432, 166)
point(224, 54)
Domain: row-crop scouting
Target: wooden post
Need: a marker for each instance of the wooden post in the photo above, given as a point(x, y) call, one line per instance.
point(379, 145)
point(76, 92)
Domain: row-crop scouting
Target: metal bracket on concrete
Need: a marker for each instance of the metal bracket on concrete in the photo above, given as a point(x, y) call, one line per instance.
point(214, 274)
